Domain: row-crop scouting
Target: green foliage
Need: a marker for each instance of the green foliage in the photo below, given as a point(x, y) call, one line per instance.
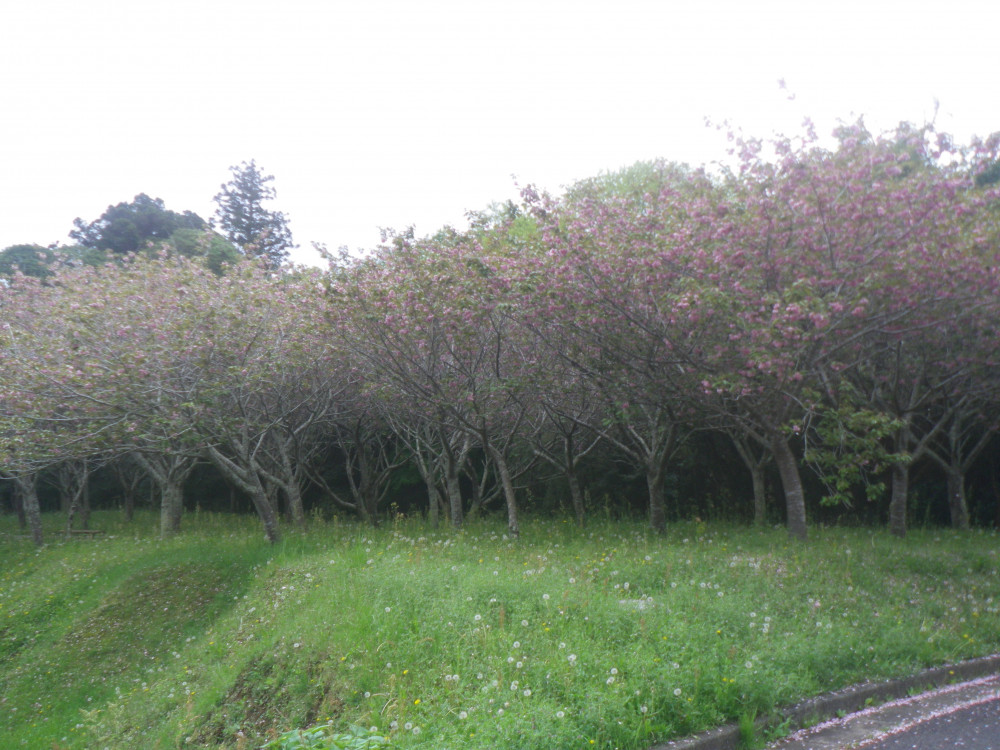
point(245, 222)
point(31, 260)
point(848, 449)
point(322, 738)
point(128, 227)
point(636, 183)
point(215, 639)
point(214, 249)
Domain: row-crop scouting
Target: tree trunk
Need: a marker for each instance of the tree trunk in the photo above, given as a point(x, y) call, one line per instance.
point(759, 495)
point(85, 501)
point(171, 507)
point(296, 509)
point(290, 484)
point(248, 480)
point(129, 504)
point(655, 476)
point(791, 484)
point(28, 490)
point(266, 512)
point(168, 472)
point(576, 497)
point(897, 502)
point(433, 502)
point(453, 485)
point(957, 504)
point(18, 507)
point(513, 527)
point(73, 477)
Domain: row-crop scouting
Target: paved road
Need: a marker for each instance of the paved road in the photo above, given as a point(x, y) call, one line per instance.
point(963, 716)
point(974, 728)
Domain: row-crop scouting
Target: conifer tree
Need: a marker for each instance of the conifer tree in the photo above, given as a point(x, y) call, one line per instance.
point(244, 220)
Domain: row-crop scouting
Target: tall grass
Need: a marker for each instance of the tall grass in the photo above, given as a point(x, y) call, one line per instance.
point(612, 637)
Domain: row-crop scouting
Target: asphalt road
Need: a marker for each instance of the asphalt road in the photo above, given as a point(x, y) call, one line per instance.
point(963, 716)
point(974, 728)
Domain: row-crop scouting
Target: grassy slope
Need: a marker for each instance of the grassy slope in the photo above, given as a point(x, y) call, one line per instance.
point(441, 639)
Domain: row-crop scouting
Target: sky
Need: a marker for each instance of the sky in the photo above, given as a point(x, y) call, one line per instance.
point(390, 113)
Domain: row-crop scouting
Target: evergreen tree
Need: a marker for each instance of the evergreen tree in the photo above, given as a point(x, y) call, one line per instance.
point(246, 223)
point(128, 227)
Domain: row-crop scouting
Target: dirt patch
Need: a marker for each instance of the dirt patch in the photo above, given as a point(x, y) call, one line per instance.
point(270, 696)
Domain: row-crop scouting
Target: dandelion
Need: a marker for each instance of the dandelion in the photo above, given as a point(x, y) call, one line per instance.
point(524, 623)
point(677, 692)
point(527, 692)
point(610, 680)
point(388, 610)
point(463, 714)
point(517, 644)
point(614, 670)
point(408, 726)
point(571, 658)
point(477, 618)
point(416, 730)
point(560, 714)
point(545, 597)
point(643, 709)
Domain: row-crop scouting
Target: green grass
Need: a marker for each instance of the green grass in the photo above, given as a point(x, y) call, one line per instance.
point(609, 638)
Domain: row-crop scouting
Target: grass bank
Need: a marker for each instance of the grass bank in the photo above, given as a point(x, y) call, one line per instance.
point(611, 638)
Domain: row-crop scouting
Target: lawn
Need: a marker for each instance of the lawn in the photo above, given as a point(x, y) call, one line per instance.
point(613, 637)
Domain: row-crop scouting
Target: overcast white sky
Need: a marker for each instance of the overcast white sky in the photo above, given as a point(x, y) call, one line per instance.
point(394, 112)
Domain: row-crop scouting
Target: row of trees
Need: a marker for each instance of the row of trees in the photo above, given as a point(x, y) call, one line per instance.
point(831, 309)
point(146, 225)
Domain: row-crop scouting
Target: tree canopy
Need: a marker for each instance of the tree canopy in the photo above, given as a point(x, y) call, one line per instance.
point(257, 231)
point(127, 227)
point(828, 312)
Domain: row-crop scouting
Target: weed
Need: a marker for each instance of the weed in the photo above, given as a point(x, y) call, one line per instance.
point(322, 738)
point(437, 638)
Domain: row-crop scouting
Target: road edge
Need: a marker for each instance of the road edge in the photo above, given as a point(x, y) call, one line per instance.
point(846, 700)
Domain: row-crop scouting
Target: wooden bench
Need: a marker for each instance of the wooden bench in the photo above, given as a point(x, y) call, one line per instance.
point(86, 532)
